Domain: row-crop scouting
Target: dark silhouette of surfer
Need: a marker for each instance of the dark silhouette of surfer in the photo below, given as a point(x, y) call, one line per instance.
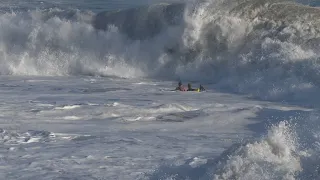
point(182, 88)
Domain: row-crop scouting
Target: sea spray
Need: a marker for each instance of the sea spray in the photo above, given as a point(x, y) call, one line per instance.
point(273, 157)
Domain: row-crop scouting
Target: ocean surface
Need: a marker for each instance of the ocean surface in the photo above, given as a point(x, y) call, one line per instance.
point(87, 90)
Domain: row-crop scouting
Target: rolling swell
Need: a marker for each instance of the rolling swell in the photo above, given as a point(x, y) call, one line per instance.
point(266, 48)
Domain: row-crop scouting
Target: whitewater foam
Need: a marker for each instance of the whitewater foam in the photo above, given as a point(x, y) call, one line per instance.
point(14, 138)
point(273, 157)
point(67, 107)
point(264, 48)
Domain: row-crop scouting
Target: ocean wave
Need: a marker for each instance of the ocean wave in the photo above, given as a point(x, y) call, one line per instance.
point(266, 48)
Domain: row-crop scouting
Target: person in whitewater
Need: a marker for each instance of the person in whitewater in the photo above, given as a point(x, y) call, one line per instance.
point(190, 88)
point(201, 88)
point(180, 87)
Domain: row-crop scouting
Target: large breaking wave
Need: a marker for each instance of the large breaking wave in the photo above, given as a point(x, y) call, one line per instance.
point(268, 48)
